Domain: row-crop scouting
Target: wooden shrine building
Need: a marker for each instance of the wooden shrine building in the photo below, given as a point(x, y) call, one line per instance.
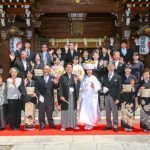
point(57, 22)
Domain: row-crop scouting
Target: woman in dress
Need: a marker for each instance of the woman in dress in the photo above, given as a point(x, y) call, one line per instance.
point(128, 101)
point(27, 89)
point(13, 96)
point(137, 67)
point(145, 101)
point(89, 105)
point(3, 101)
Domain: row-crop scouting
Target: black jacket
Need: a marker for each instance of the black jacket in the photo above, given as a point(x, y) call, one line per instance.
point(114, 86)
point(49, 58)
point(19, 64)
point(64, 85)
point(45, 89)
point(68, 58)
point(128, 57)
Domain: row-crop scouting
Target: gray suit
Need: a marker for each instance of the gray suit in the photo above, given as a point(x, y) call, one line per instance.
point(114, 86)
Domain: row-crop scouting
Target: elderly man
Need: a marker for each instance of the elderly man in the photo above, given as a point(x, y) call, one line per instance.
point(45, 91)
point(22, 64)
point(112, 85)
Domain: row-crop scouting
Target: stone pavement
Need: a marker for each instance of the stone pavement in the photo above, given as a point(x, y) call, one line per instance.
point(76, 142)
point(95, 142)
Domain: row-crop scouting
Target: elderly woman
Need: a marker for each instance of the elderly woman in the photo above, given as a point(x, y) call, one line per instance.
point(13, 96)
point(144, 93)
point(3, 101)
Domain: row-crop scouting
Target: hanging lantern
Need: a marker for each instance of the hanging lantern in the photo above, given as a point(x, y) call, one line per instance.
point(77, 1)
point(29, 34)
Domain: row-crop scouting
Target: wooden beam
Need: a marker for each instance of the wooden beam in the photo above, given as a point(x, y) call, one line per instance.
point(15, 3)
point(99, 7)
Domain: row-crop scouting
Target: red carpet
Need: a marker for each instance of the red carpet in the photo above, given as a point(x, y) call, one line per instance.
point(96, 131)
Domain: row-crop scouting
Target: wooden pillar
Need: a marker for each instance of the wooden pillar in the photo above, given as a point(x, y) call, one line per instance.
point(5, 58)
point(147, 61)
point(32, 40)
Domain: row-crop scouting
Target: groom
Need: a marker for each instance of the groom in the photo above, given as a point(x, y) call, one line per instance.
point(112, 89)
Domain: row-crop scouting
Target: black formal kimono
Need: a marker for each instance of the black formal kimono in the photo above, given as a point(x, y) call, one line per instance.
point(128, 102)
point(69, 89)
point(145, 108)
point(40, 66)
point(30, 103)
point(46, 90)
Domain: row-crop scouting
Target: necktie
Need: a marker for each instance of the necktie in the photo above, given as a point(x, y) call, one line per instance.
point(28, 52)
point(109, 76)
point(25, 65)
point(46, 79)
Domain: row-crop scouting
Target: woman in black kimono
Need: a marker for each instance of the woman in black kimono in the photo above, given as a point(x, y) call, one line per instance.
point(129, 84)
point(29, 98)
point(145, 101)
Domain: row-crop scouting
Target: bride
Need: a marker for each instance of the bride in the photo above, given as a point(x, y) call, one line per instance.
point(89, 106)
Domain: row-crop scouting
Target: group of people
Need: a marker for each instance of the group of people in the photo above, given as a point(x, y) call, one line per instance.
point(50, 78)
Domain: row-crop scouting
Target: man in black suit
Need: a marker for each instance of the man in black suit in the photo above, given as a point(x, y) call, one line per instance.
point(45, 55)
point(45, 91)
point(22, 64)
point(125, 53)
point(70, 53)
point(85, 56)
point(30, 53)
point(112, 90)
point(119, 63)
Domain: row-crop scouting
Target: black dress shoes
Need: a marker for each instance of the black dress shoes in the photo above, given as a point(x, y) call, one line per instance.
point(42, 127)
point(52, 126)
point(107, 128)
point(115, 129)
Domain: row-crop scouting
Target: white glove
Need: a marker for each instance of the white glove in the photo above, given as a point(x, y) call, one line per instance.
point(71, 90)
point(41, 99)
point(105, 90)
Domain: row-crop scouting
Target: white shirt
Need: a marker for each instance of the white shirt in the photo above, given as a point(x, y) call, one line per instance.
point(24, 64)
point(96, 64)
point(12, 91)
point(116, 63)
point(46, 78)
point(124, 51)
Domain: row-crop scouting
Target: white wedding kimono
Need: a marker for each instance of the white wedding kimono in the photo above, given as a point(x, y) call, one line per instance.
point(89, 105)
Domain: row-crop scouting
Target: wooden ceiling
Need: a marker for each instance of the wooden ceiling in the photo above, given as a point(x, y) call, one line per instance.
point(53, 14)
point(99, 20)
